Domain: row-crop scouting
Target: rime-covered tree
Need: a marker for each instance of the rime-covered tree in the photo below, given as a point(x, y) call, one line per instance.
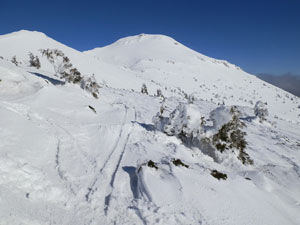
point(63, 68)
point(90, 85)
point(261, 111)
point(231, 136)
point(144, 89)
point(34, 61)
point(14, 60)
point(159, 93)
point(191, 99)
point(57, 58)
point(188, 124)
point(72, 76)
point(185, 122)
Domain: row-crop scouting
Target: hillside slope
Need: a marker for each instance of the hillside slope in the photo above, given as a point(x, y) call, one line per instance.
point(161, 63)
point(68, 158)
point(164, 63)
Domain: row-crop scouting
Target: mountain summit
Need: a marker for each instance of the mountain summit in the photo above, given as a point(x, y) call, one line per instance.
point(130, 50)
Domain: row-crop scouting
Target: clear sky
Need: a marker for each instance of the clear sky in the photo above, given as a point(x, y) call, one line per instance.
point(259, 36)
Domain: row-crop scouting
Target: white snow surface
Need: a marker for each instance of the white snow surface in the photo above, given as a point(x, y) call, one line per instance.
point(63, 163)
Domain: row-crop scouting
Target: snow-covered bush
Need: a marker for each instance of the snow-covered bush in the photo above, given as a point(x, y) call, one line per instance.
point(14, 60)
point(218, 175)
point(144, 89)
point(188, 124)
point(72, 76)
point(57, 58)
point(159, 93)
point(63, 68)
point(261, 111)
point(90, 85)
point(178, 162)
point(220, 116)
point(191, 99)
point(230, 135)
point(34, 61)
point(185, 122)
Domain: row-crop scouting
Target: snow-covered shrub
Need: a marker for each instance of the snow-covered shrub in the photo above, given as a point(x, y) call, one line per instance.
point(178, 162)
point(57, 58)
point(90, 85)
point(218, 175)
point(261, 111)
point(63, 68)
point(220, 116)
point(191, 99)
point(185, 122)
point(159, 93)
point(34, 61)
point(72, 76)
point(144, 89)
point(188, 124)
point(230, 134)
point(14, 60)
point(150, 164)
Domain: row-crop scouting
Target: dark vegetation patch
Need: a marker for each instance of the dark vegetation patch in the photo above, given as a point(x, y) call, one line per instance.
point(93, 109)
point(218, 175)
point(231, 136)
point(152, 164)
point(178, 162)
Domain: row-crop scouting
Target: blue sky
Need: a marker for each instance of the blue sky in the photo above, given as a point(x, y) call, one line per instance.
point(260, 36)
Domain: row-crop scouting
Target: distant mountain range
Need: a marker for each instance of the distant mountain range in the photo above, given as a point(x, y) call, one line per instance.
point(289, 82)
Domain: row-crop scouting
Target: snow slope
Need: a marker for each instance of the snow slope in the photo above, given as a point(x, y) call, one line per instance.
point(161, 63)
point(164, 63)
point(63, 163)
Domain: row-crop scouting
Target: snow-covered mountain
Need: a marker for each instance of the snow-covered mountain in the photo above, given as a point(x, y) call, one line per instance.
point(68, 158)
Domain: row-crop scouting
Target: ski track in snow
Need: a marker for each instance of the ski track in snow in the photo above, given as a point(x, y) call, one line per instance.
point(92, 188)
point(111, 183)
point(114, 160)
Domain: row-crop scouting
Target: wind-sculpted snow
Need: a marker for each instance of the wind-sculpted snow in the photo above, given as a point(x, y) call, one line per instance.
point(68, 158)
